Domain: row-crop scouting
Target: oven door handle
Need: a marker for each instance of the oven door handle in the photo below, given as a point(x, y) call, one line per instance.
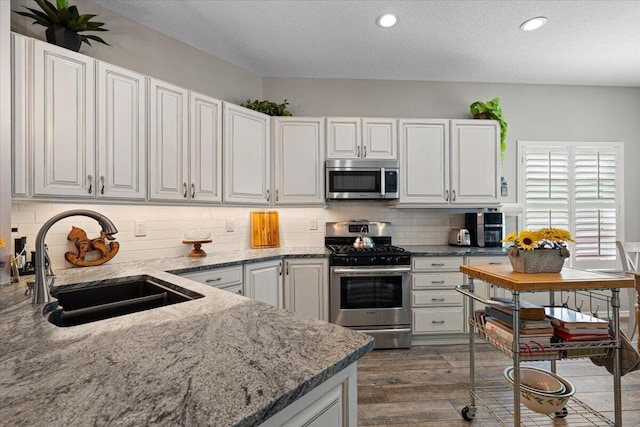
point(369, 271)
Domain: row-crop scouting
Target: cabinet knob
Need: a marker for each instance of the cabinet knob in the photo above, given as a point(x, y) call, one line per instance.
point(240, 292)
point(184, 186)
point(101, 184)
point(90, 179)
point(193, 191)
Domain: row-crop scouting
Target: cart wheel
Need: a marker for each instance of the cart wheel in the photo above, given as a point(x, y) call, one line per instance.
point(561, 413)
point(468, 414)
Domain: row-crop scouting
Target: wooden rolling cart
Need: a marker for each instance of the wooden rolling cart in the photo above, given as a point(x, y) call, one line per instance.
point(567, 280)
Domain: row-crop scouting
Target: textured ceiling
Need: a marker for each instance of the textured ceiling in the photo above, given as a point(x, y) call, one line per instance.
point(584, 42)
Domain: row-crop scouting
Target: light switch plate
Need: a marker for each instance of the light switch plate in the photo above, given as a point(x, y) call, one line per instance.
point(230, 225)
point(140, 228)
point(313, 223)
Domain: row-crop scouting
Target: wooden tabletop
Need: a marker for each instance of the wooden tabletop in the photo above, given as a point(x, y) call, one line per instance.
point(568, 279)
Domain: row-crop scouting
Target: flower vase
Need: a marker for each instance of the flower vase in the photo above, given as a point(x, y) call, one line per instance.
point(538, 260)
point(64, 37)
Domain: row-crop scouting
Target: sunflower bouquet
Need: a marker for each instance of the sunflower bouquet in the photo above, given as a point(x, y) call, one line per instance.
point(526, 254)
point(545, 238)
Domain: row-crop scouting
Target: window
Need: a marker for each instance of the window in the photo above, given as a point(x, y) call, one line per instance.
point(576, 186)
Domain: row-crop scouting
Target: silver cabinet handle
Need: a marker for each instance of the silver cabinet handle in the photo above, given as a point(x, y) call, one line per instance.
point(240, 292)
point(438, 299)
point(101, 184)
point(280, 269)
point(495, 263)
point(287, 272)
point(193, 191)
point(437, 264)
point(446, 195)
point(438, 322)
point(184, 186)
point(90, 179)
point(453, 195)
point(217, 279)
point(358, 150)
point(277, 195)
point(437, 282)
point(364, 151)
point(268, 195)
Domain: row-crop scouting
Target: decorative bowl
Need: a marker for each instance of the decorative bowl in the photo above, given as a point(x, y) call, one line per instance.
point(539, 380)
point(540, 401)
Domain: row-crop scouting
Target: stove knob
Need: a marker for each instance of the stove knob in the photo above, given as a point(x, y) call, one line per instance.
point(372, 260)
point(396, 260)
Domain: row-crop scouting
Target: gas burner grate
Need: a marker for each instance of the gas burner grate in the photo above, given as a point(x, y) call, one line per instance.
point(349, 249)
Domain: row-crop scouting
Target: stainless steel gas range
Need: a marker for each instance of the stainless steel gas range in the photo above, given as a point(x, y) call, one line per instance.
point(369, 285)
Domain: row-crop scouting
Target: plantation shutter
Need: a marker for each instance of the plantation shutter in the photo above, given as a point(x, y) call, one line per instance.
point(575, 187)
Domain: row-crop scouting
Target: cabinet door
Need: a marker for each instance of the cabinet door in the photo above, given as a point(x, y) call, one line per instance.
point(306, 287)
point(298, 160)
point(475, 162)
point(20, 49)
point(122, 127)
point(263, 282)
point(168, 149)
point(424, 162)
point(344, 138)
point(206, 148)
point(246, 156)
point(63, 122)
point(379, 139)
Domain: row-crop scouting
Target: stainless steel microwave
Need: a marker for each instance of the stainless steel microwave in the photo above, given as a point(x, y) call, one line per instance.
point(362, 179)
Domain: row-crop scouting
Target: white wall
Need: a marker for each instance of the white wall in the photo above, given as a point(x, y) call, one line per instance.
point(166, 226)
point(533, 112)
point(142, 49)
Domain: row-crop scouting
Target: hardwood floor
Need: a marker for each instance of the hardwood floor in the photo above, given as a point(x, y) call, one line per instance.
point(428, 386)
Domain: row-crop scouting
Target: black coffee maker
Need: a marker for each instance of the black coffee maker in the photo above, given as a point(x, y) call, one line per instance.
point(485, 228)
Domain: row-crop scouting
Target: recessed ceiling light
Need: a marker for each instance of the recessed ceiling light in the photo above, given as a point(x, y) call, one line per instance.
point(533, 23)
point(387, 20)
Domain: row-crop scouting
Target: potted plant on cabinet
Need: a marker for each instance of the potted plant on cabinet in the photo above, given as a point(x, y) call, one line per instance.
point(268, 107)
point(491, 110)
point(64, 23)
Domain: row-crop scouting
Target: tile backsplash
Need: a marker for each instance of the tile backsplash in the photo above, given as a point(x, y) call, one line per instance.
point(166, 226)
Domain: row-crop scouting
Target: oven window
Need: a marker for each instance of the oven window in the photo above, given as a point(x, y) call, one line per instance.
point(354, 181)
point(371, 292)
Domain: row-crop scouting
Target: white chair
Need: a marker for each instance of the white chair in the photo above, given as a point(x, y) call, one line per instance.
point(629, 253)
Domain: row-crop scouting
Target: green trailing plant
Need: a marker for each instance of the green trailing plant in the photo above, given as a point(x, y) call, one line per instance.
point(65, 16)
point(268, 107)
point(491, 110)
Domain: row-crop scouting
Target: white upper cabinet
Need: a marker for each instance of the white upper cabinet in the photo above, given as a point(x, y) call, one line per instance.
point(449, 162)
point(379, 138)
point(424, 161)
point(361, 138)
point(168, 141)
point(122, 133)
point(21, 102)
point(63, 122)
point(247, 156)
point(475, 162)
point(299, 147)
point(205, 148)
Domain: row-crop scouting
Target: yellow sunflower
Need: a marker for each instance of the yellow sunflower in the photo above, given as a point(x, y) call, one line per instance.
point(511, 237)
point(2, 242)
point(527, 240)
point(560, 235)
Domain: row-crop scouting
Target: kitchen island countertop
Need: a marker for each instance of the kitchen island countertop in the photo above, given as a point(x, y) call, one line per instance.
point(214, 361)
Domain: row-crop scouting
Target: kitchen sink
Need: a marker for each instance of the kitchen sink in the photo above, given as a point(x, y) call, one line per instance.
point(79, 305)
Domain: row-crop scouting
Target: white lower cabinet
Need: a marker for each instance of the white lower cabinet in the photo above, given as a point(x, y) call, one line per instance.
point(436, 306)
point(263, 282)
point(228, 279)
point(306, 287)
point(333, 403)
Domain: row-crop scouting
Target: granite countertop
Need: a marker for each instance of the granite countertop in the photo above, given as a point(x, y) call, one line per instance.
point(219, 360)
point(448, 250)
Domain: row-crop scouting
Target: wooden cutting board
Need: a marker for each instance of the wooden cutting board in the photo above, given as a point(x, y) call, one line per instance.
point(265, 229)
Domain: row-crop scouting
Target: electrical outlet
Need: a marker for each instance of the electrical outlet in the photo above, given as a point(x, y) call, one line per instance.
point(313, 223)
point(140, 228)
point(230, 225)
